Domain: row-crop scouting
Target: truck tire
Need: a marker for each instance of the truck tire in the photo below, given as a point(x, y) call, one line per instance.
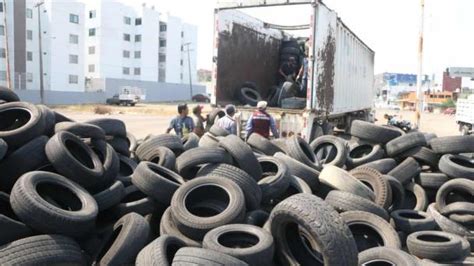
point(300, 150)
point(364, 226)
point(258, 248)
point(383, 165)
point(321, 145)
point(82, 130)
point(410, 221)
point(406, 171)
point(457, 166)
point(452, 144)
point(320, 223)
point(262, 144)
point(156, 181)
point(362, 152)
point(217, 131)
point(74, 159)
point(111, 127)
point(190, 141)
point(378, 184)
point(435, 245)
point(340, 179)
point(374, 133)
point(275, 179)
point(7, 95)
point(168, 227)
point(456, 185)
point(21, 122)
point(404, 143)
point(194, 200)
point(110, 196)
point(169, 141)
point(345, 201)
point(249, 96)
point(189, 163)
point(70, 210)
point(296, 168)
point(9, 165)
point(198, 256)
point(42, 250)
point(160, 252)
point(129, 236)
point(242, 155)
point(12, 228)
point(250, 188)
point(384, 255)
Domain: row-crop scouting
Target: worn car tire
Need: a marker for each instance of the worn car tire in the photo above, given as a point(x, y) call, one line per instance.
point(362, 152)
point(448, 225)
point(249, 96)
point(458, 185)
point(262, 144)
point(340, 179)
point(134, 200)
point(82, 130)
point(452, 144)
point(320, 147)
point(126, 168)
point(160, 252)
point(457, 166)
point(384, 166)
point(110, 197)
point(208, 140)
point(12, 228)
point(421, 198)
point(377, 183)
point(431, 180)
point(435, 245)
point(406, 171)
point(374, 133)
point(300, 150)
point(112, 127)
point(242, 155)
point(7, 95)
point(410, 221)
point(217, 131)
point(404, 143)
point(257, 217)
point(345, 201)
point(49, 120)
point(168, 227)
point(169, 141)
point(275, 179)
point(213, 116)
point(189, 256)
point(190, 141)
point(301, 170)
point(121, 145)
point(398, 193)
point(423, 156)
point(189, 163)
point(384, 255)
point(110, 162)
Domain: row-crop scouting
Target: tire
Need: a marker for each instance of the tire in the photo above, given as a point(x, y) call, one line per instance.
point(300, 150)
point(280, 143)
point(132, 141)
point(208, 140)
point(406, 171)
point(373, 133)
point(61, 118)
point(343, 201)
point(420, 196)
point(296, 168)
point(220, 197)
point(404, 143)
point(431, 180)
point(423, 156)
point(49, 120)
point(188, 163)
point(7, 95)
point(110, 196)
point(161, 156)
point(20, 123)
point(171, 142)
point(111, 127)
point(213, 115)
point(41, 196)
point(398, 193)
point(81, 130)
point(168, 227)
point(133, 201)
point(156, 181)
point(34, 151)
point(250, 188)
point(320, 223)
point(190, 141)
point(378, 184)
point(249, 96)
point(384, 166)
point(257, 218)
point(74, 159)
point(3, 149)
point(448, 225)
point(293, 103)
point(12, 228)
point(262, 145)
point(42, 250)
point(459, 208)
point(363, 152)
point(384, 255)
point(452, 144)
point(435, 245)
point(242, 155)
point(459, 185)
point(340, 179)
point(410, 221)
point(110, 162)
point(322, 148)
point(291, 50)
point(160, 252)
point(126, 168)
point(120, 247)
point(189, 256)
point(364, 225)
point(275, 180)
point(217, 131)
point(457, 166)
point(120, 145)
point(248, 243)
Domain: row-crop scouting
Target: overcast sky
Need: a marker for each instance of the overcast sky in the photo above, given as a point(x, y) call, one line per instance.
point(389, 27)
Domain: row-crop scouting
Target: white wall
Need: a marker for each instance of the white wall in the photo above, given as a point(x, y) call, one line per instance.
point(11, 47)
point(173, 49)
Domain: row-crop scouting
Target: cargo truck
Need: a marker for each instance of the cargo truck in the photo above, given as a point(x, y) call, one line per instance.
point(465, 115)
point(248, 50)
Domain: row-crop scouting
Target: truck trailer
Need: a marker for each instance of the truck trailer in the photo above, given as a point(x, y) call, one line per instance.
point(340, 71)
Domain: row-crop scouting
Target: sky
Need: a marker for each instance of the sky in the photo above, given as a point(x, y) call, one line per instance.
point(389, 27)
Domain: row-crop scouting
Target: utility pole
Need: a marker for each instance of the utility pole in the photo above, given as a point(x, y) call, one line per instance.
point(38, 5)
point(7, 57)
point(189, 66)
point(419, 82)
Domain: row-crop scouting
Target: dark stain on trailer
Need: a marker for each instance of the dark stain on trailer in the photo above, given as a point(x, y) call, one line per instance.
point(325, 79)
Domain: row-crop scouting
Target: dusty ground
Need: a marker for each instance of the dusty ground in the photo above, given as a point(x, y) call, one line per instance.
point(145, 119)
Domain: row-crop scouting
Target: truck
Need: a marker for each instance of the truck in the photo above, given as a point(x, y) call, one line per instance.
point(248, 50)
point(465, 115)
point(127, 96)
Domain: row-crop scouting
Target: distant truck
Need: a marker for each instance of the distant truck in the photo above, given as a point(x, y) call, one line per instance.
point(127, 96)
point(465, 115)
point(248, 53)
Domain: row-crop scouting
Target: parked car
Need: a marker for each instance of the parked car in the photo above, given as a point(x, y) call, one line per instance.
point(201, 98)
point(450, 111)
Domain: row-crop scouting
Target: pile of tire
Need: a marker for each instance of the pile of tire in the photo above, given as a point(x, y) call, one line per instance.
point(89, 193)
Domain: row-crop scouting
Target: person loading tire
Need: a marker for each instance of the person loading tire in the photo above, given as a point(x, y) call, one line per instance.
point(182, 124)
point(261, 122)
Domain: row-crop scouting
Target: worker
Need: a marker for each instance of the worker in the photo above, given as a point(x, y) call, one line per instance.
point(182, 124)
point(287, 70)
point(302, 76)
point(198, 120)
point(261, 122)
point(227, 122)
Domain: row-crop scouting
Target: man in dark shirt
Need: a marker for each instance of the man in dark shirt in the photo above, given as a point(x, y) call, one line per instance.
point(182, 124)
point(288, 70)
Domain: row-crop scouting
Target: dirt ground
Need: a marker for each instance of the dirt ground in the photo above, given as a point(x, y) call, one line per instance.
point(145, 119)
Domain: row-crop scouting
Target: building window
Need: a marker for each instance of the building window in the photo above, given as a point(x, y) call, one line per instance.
point(29, 13)
point(182, 33)
point(126, 71)
point(74, 18)
point(91, 68)
point(3, 53)
point(29, 77)
point(138, 54)
point(2, 30)
point(92, 32)
point(91, 49)
point(73, 38)
point(163, 27)
point(162, 58)
point(138, 21)
point(181, 62)
point(137, 71)
point(3, 74)
point(162, 43)
point(126, 54)
point(126, 37)
point(29, 56)
point(182, 48)
point(138, 38)
point(73, 59)
point(1, 7)
point(29, 35)
point(92, 14)
point(127, 20)
point(73, 79)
